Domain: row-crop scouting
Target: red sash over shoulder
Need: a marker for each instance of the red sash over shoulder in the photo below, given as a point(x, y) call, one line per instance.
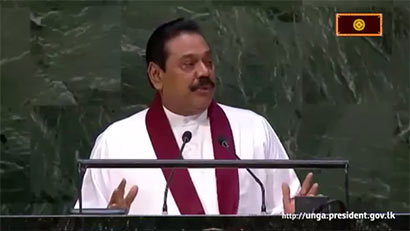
point(182, 188)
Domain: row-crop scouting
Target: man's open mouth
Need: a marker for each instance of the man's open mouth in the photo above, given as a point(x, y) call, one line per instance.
point(205, 87)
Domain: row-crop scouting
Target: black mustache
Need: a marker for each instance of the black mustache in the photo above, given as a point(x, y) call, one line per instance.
point(202, 81)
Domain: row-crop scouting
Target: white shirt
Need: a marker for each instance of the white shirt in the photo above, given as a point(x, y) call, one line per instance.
point(128, 139)
point(200, 147)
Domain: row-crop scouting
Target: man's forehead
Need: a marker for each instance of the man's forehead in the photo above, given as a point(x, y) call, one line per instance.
point(188, 45)
point(193, 55)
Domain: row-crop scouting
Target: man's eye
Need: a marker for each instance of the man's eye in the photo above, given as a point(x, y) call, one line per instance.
point(188, 65)
point(209, 63)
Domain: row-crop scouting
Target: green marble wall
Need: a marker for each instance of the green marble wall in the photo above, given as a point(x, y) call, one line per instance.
point(70, 68)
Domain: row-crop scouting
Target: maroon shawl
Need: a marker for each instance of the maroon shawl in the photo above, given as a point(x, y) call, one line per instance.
point(182, 188)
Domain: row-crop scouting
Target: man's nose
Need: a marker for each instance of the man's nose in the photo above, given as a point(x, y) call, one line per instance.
point(203, 70)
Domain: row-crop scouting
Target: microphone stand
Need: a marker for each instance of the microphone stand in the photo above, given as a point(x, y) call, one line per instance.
point(224, 143)
point(186, 137)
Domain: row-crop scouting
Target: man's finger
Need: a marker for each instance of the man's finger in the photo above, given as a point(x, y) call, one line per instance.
point(313, 190)
point(285, 193)
point(307, 184)
point(118, 193)
point(288, 207)
point(131, 195)
point(121, 188)
point(113, 206)
point(114, 197)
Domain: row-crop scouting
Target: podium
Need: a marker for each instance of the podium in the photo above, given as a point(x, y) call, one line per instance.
point(83, 165)
point(191, 223)
point(84, 222)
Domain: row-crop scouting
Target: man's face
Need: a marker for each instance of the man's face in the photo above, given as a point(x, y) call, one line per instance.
point(187, 84)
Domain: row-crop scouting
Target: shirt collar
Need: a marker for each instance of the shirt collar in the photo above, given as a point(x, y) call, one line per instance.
point(176, 120)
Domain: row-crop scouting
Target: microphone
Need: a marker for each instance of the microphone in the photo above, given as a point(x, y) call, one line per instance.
point(186, 137)
point(224, 143)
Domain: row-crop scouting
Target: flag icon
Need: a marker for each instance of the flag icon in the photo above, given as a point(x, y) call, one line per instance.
point(359, 24)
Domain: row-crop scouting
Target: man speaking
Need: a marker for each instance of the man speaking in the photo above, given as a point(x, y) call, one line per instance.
point(184, 115)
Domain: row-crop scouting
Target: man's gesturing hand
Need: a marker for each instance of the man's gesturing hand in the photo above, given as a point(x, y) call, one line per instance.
point(117, 197)
point(308, 189)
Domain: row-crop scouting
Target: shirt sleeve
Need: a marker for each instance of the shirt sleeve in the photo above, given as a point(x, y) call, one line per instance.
point(94, 191)
point(274, 149)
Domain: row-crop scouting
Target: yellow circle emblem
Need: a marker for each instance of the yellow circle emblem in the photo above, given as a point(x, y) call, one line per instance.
point(359, 24)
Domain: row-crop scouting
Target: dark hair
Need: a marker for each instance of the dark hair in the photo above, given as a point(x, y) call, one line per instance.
point(155, 50)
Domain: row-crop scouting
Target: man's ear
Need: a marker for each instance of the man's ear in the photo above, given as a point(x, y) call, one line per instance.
point(155, 74)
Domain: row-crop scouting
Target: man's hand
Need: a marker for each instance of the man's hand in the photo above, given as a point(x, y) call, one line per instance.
point(117, 198)
point(308, 189)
